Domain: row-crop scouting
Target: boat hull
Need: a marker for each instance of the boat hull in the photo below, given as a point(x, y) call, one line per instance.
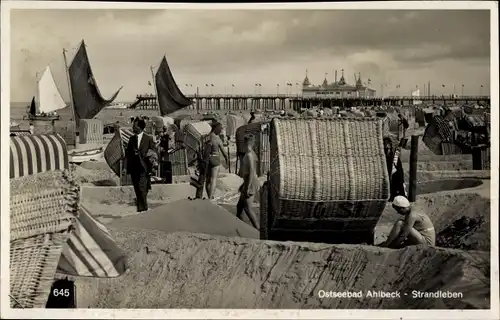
point(41, 118)
point(87, 155)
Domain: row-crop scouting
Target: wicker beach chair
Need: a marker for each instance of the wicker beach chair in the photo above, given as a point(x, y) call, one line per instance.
point(42, 214)
point(91, 131)
point(328, 177)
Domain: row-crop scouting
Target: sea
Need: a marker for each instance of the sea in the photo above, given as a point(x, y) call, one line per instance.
point(18, 111)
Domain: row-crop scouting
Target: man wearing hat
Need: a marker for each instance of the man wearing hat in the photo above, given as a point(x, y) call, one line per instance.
point(415, 229)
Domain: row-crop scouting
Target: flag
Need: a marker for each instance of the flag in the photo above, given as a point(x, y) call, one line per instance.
point(443, 85)
point(149, 83)
point(369, 80)
point(278, 85)
point(212, 85)
point(482, 86)
point(233, 85)
point(87, 99)
point(206, 85)
point(170, 97)
point(260, 85)
point(463, 86)
point(398, 86)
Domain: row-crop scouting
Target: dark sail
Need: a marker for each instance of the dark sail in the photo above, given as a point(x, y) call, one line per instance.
point(87, 99)
point(170, 97)
point(33, 107)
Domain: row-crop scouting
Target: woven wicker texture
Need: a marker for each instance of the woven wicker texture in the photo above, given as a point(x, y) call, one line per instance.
point(260, 130)
point(43, 208)
point(91, 131)
point(179, 162)
point(233, 122)
point(37, 153)
point(33, 264)
point(329, 169)
point(193, 134)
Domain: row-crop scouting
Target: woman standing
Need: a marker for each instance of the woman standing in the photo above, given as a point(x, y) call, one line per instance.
point(250, 186)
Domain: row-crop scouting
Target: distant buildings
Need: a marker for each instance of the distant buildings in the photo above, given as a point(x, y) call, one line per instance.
point(337, 89)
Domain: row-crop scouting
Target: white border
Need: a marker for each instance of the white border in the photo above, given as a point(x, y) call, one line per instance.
point(7, 312)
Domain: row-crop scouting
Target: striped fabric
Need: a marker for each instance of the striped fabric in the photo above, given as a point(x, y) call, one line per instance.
point(91, 250)
point(37, 153)
point(115, 151)
point(20, 133)
point(91, 131)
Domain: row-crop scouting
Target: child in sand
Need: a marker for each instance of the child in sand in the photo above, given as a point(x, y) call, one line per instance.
point(415, 229)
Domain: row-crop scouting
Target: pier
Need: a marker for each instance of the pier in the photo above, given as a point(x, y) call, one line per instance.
point(297, 102)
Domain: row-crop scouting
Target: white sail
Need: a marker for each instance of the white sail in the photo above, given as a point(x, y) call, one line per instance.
point(49, 97)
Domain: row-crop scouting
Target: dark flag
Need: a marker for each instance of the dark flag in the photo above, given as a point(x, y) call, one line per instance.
point(87, 99)
point(212, 85)
point(149, 83)
point(170, 97)
point(482, 86)
point(443, 85)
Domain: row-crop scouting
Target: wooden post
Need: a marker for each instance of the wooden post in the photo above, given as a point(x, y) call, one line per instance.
point(412, 194)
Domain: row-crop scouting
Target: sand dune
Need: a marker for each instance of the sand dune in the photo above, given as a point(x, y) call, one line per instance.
point(199, 271)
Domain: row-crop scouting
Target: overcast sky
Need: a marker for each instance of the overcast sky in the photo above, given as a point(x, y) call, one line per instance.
point(243, 47)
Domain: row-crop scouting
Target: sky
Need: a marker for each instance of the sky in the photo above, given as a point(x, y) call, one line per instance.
point(243, 47)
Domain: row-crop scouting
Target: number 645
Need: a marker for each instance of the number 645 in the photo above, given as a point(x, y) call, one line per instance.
point(61, 292)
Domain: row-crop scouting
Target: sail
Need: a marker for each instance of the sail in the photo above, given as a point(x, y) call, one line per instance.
point(170, 97)
point(33, 107)
point(49, 97)
point(87, 99)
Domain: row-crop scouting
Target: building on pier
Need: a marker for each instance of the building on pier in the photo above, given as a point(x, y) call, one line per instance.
point(337, 90)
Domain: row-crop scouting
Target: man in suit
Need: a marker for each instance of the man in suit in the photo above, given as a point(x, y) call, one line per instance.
point(138, 166)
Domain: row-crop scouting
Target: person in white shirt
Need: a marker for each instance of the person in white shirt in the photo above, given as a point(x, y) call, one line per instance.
point(138, 166)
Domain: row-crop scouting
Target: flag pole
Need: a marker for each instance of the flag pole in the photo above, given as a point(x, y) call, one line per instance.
point(156, 92)
point(71, 102)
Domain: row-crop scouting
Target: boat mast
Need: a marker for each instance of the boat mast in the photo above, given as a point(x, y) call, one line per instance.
point(37, 92)
point(156, 92)
point(71, 104)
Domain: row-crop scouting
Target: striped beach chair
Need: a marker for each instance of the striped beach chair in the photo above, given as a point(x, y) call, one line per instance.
point(31, 154)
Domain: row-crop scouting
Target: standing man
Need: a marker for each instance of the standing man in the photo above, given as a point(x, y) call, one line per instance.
point(32, 128)
point(137, 165)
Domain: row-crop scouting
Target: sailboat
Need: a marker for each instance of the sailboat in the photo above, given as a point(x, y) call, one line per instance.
point(86, 99)
point(49, 99)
